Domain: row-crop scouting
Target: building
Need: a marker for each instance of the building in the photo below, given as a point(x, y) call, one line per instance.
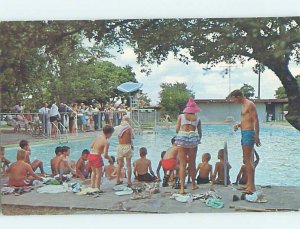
point(221, 110)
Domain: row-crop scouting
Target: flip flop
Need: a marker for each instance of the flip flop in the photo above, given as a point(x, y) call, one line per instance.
point(121, 182)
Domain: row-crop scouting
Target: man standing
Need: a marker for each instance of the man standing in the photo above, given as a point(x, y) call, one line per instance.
point(44, 111)
point(250, 134)
point(125, 148)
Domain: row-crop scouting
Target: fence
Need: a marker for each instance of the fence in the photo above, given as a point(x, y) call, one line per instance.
point(39, 124)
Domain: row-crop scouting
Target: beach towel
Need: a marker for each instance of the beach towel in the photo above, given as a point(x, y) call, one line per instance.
point(126, 191)
point(120, 187)
point(214, 203)
point(52, 189)
point(120, 130)
point(89, 191)
point(7, 190)
point(182, 198)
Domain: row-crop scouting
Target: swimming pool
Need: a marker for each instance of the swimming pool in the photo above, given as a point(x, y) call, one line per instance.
point(279, 153)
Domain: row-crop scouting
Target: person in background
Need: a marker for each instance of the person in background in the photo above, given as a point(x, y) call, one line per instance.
point(54, 118)
point(45, 113)
point(4, 163)
point(18, 108)
point(73, 118)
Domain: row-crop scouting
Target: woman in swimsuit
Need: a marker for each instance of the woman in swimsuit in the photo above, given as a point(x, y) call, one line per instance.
point(187, 141)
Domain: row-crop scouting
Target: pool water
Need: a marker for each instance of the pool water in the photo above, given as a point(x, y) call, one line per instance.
point(279, 154)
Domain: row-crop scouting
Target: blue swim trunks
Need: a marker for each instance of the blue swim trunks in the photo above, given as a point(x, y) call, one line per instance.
point(248, 138)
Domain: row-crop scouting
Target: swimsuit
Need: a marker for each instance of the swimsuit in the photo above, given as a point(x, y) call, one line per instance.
point(146, 177)
point(169, 164)
point(187, 139)
point(202, 180)
point(248, 138)
point(124, 150)
point(20, 183)
point(95, 160)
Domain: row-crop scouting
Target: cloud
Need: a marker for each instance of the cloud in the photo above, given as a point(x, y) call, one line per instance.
point(206, 85)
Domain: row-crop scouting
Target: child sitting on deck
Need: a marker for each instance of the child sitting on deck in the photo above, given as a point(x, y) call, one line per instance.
point(170, 162)
point(83, 169)
point(142, 166)
point(4, 163)
point(63, 167)
point(36, 163)
point(205, 170)
point(109, 169)
point(54, 161)
point(18, 171)
point(242, 176)
point(219, 170)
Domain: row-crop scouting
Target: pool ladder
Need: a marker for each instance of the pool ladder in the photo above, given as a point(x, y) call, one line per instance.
point(63, 135)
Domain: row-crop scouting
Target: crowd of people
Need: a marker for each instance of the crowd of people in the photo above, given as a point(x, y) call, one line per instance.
point(177, 162)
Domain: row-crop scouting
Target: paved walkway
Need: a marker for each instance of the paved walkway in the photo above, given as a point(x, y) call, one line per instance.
point(282, 198)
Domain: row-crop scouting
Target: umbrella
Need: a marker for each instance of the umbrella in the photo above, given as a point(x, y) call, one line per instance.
point(129, 87)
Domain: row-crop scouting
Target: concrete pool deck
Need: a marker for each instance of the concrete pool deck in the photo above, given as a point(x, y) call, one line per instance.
point(279, 199)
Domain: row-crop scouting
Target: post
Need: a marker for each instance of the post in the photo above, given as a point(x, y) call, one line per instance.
point(225, 164)
point(259, 82)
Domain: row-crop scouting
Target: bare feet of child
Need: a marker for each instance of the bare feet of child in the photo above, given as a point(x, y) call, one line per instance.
point(195, 187)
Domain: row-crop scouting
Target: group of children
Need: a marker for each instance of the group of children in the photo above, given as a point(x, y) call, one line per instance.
point(90, 165)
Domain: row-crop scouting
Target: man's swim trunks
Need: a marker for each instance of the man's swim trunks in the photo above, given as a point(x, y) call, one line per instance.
point(124, 150)
point(20, 183)
point(248, 138)
point(169, 164)
point(95, 160)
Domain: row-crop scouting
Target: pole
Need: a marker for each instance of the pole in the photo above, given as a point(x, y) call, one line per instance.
point(229, 69)
point(259, 82)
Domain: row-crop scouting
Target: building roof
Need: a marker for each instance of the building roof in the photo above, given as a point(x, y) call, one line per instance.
point(267, 101)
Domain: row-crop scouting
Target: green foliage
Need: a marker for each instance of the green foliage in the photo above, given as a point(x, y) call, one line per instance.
point(144, 99)
point(248, 91)
point(173, 97)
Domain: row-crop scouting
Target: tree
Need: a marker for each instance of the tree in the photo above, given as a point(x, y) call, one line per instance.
point(258, 69)
point(280, 93)
point(144, 99)
point(273, 42)
point(248, 91)
point(173, 97)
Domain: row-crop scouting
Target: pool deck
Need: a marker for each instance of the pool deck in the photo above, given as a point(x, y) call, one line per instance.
point(279, 199)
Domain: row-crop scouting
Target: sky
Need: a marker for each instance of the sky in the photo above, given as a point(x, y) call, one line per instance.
point(210, 85)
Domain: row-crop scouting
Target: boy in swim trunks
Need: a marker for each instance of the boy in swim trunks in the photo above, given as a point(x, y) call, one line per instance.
point(63, 167)
point(54, 161)
point(218, 176)
point(99, 146)
point(170, 162)
point(83, 169)
point(36, 163)
point(4, 163)
point(242, 176)
point(205, 170)
point(142, 166)
point(18, 171)
point(125, 148)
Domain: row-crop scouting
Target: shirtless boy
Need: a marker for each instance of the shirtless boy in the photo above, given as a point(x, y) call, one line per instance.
point(63, 167)
point(242, 176)
point(4, 163)
point(36, 163)
point(18, 171)
point(170, 162)
point(109, 169)
point(99, 146)
point(218, 176)
point(83, 168)
point(125, 148)
point(160, 165)
point(205, 170)
point(54, 161)
point(142, 166)
point(250, 134)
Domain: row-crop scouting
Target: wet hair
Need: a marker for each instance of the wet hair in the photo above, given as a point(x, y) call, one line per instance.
point(58, 150)
point(236, 93)
point(65, 149)
point(85, 151)
point(162, 154)
point(207, 155)
point(143, 151)
point(113, 159)
point(23, 143)
point(108, 129)
point(221, 153)
point(173, 140)
point(21, 154)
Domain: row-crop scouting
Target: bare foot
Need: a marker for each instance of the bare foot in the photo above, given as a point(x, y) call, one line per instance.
point(120, 182)
point(195, 187)
point(182, 191)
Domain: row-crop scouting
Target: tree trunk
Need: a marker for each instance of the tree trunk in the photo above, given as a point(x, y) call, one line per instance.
point(292, 90)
